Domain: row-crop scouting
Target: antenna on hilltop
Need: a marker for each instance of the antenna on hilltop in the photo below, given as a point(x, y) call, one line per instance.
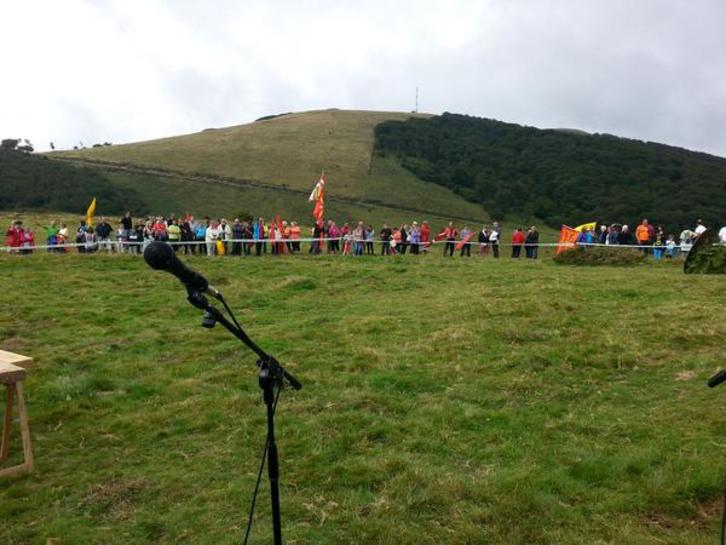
point(415, 110)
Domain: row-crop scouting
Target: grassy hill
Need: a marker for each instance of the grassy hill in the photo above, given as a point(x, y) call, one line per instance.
point(287, 153)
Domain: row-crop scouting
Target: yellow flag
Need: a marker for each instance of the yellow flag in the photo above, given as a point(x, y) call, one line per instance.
point(90, 212)
point(587, 226)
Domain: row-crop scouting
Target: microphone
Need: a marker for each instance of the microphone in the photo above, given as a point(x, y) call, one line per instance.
point(717, 379)
point(161, 257)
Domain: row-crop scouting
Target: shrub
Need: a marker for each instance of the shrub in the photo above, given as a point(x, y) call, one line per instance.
point(600, 256)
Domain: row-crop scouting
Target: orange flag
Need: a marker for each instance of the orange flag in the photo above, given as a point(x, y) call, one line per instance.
point(318, 197)
point(568, 239)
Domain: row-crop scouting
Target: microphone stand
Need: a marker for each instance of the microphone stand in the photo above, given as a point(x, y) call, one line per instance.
point(714, 381)
point(273, 376)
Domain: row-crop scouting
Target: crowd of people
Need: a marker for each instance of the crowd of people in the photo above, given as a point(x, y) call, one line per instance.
point(219, 237)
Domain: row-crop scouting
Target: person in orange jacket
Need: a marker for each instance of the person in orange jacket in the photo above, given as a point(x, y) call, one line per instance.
point(642, 235)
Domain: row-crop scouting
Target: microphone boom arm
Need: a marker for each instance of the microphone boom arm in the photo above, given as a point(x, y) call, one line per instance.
point(277, 371)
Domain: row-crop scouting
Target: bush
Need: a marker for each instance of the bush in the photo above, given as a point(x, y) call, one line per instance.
point(600, 256)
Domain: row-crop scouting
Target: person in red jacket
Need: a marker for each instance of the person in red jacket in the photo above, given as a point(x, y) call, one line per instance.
point(517, 242)
point(425, 236)
point(449, 233)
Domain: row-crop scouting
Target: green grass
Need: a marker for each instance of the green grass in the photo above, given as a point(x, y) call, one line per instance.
point(445, 401)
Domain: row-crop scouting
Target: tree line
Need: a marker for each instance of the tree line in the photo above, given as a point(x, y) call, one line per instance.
point(29, 181)
point(559, 176)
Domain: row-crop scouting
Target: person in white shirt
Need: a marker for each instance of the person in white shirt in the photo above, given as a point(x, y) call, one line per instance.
point(212, 235)
point(700, 228)
point(722, 235)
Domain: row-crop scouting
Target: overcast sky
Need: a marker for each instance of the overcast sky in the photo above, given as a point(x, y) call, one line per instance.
point(128, 70)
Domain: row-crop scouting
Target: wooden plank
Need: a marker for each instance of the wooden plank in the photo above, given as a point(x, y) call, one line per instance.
point(10, 373)
point(15, 359)
point(7, 423)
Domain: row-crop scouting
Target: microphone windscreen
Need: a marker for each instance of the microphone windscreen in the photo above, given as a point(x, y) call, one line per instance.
point(159, 255)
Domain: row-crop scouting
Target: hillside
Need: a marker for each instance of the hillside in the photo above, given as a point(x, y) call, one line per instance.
point(278, 160)
point(559, 175)
point(36, 182)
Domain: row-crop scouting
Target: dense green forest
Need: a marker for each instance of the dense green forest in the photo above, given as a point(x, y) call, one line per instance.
point(29, 181)
point(561, 177)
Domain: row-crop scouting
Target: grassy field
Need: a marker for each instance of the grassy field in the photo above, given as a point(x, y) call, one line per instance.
point(445, 401)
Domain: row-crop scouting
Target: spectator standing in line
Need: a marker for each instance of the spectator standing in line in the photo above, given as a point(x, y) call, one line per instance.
point(370, 237)
point(625, 237)
point(127, 224)
point(200, 234)
point(103, 235)
point(517, 242)
point(395, 241)
point(237, 234)
point(483, 239)
point(659, 243)
point(466, 246)
point(403, 243)
point(494, 237)
point(174, 233)
point(642, 235)
point(148, 234)
point(700, 228)
point(333, 240)
point(671, 247)
point(531, 241)
point(414, 238)
point(63, 237)
point(318, 233)
point(91, 242)
point(51, 235)
point(81, 237)
point(258, 234)
point(359, 237)
point(425, 236)
point(28, 237)
point(343, 232)
point(211, 237)
point(160, 229)
point(602, 237)
point(286, 232)
point(450, 233)
point(613, 235)
point(134, 239)
point(187, 235)
point(295, 236)
point(225, 234)
point(385, 236)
